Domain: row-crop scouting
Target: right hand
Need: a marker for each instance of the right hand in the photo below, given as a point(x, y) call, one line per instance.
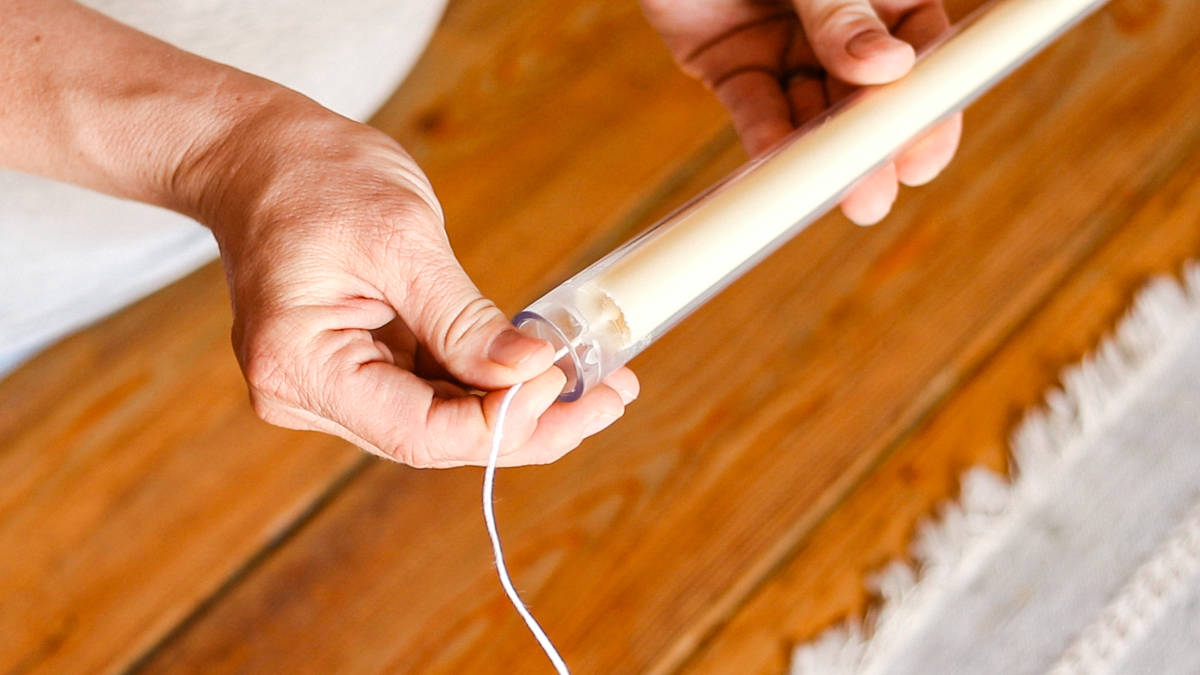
point(352, 315)
point(777, 65)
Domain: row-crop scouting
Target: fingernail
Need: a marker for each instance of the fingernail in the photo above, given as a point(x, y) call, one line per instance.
point(511, 348)
point(868, 43)
point(598, 423)
point(627, 396)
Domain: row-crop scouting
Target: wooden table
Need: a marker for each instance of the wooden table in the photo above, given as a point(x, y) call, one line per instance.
point(789, 436)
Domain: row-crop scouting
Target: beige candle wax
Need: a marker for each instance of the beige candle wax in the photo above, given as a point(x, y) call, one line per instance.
point(630, 297)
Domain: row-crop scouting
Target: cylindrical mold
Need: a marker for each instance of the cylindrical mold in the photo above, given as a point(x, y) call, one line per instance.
point(608, 313)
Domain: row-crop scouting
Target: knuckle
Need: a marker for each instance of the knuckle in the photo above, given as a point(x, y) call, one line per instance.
point(419, 207)
point(473, 316)
point(264, 408)
point(272, 375)
point(844, 16)
point(410, 437)
point(404, 455)
point(263, 372)
point(263, 369)
point(415, 453)
point(415, 442)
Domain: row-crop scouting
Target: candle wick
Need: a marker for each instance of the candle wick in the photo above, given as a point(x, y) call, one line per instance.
point(489, 518)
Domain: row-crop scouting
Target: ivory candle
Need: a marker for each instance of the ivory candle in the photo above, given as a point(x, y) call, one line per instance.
point(612, 310)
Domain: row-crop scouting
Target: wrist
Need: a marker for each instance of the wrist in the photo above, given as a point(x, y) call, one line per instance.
point(239, 143)
point(132, 131)
point(272, 149)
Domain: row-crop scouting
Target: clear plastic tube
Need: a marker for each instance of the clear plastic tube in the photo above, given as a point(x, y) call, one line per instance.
point(612, 310)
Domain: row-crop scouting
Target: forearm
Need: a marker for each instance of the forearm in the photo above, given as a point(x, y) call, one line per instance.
point(87, 100)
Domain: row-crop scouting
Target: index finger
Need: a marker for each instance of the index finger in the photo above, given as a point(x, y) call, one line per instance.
point(924, 158)
point(397, 414)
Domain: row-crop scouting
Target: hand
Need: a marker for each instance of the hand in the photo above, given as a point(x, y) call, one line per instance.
point(776, 65)
point(351, 314)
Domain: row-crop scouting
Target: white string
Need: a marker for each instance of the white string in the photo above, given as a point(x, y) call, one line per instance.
point(489, 517)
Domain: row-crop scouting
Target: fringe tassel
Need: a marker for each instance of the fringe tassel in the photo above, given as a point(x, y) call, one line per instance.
point(958, 537)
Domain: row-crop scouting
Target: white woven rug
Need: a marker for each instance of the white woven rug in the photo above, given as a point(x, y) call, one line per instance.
point(1089, 560)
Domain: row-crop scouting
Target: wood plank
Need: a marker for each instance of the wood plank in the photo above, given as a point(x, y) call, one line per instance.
point(138, 483)
point(572, 113)
point(111, 465)
point(757, 414)
point(824, 581)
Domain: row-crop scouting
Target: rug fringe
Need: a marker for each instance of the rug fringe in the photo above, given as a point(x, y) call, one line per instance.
point(956, 538)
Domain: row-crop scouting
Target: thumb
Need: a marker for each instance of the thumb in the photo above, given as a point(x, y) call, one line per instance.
point(851, 41)
point(464, 331)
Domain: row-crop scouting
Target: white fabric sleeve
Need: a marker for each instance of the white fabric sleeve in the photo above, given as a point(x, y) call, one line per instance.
point(69, 256)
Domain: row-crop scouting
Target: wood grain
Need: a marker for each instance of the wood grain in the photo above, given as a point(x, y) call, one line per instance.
point(114, 460)
point(758, 414)
point(145, 513)
point(824, 581)
point(562, 119)
point(137, 481)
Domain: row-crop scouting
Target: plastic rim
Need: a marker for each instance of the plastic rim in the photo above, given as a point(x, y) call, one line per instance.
point(546, 330)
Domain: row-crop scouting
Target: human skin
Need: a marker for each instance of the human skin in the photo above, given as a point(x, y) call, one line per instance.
point(351, 314)
point(776, 65)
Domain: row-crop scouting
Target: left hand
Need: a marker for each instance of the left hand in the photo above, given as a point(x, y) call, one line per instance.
point(776, 65)
point(352, 315)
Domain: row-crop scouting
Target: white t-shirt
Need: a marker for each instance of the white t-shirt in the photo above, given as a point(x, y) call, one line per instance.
point(69, 256)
